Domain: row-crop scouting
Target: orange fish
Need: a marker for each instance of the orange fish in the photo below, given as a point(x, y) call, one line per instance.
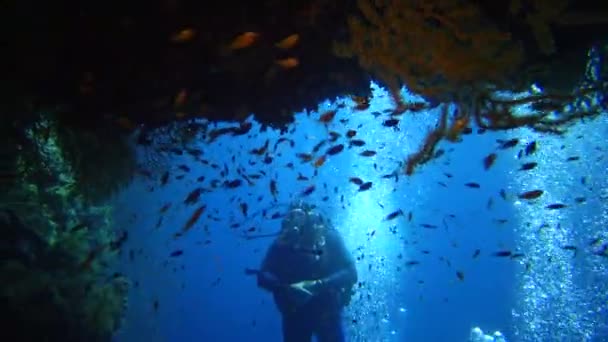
point(489, 160)
point(459, 125)
point(288, 42)
point(125, 123)
point(164, 208)
point(183, 36)
point(304, 157)
point(243, 40)
point(327, 116)
point(273, 189)
point(194, 218)
point(180, 98)
point(320, 161)
point(288, 63)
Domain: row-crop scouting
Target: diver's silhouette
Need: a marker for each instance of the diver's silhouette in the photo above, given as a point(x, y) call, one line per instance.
point(310, 274)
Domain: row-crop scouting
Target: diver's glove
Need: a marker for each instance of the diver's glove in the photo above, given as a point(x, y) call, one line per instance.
point(303, 291)
point(310, 287)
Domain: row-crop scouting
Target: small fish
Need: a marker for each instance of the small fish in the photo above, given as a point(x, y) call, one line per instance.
point(176, 151)
point(261, 150)
point(164, 208)
point(176, 253)
point(231, 184)
point(193, 196)
point(304, 157)
point(328, 116)
point(288, 63)
point(528, 166)
point(276, 215)
point(194, 218)
point(195, 152)
point(517, 255)
point(320, 161)
point(243, 40)
point(428, 226)
point(393, 215)
point(309, 190)
point(472, 185)
point(502, 254)
point(183, 36)
point(180, 98)
point(184, 168)
point(288, 42)
point(530, 148)
point(532, 194)
point(571, 248)
point(351, 133)
point(365, 186)
point(164, 178)
point(243, 206)
point(573, 158)
point(460, 275)
point(412, 263)
point(489, 160)
point(368, 153)
point(438, 153)
point(78, 227)
point(554, 206)
point(390, 122)
point(356, 142)
point(362, 102)
point(335, 150)
point(356, 180)
point(508, 144)
point(333, 136)
point(476, 253)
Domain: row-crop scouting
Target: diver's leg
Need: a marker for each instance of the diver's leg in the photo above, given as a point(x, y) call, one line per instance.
point(329, 328)
point(297, 328)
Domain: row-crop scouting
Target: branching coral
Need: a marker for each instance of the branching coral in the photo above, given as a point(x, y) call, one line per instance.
point(449, 51)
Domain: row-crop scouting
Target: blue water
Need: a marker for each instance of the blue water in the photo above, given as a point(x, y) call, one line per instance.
point(204, 295)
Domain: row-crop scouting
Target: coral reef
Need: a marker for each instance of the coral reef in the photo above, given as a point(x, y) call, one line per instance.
point(93, 164)
point(58, 250)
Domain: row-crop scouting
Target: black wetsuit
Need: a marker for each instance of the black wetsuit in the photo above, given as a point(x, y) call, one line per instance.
point(321, 316)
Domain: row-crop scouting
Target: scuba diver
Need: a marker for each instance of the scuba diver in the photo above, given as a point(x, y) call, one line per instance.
point(311, 274)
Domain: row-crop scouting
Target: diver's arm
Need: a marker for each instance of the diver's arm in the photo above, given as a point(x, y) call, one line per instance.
point(343, 278)
point(346, 274)
point(267, 277)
